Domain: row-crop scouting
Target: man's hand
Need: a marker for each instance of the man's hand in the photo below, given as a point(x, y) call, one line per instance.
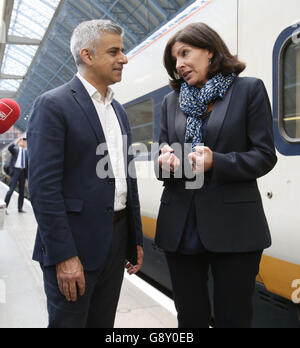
point(131, 269)
point(70, 275)
point(167, 160)
point(18, 141)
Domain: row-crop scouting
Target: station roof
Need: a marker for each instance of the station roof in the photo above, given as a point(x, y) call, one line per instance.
point(35, 35)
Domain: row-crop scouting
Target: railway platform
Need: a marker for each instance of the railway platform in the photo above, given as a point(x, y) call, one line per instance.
point(22, 299)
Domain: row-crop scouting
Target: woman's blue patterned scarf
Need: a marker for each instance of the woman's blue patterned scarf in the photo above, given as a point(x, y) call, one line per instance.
point(194, 103)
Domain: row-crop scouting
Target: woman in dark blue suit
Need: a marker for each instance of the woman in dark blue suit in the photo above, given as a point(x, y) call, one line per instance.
point(221, 226)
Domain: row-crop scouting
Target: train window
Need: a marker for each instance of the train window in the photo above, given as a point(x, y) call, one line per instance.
point(290, 91)
point(140, 117)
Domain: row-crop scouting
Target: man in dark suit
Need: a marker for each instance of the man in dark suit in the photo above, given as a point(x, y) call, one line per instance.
point(18, 171)
point(88, 223)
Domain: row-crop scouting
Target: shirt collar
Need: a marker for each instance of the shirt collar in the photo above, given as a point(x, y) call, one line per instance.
point(93, 93)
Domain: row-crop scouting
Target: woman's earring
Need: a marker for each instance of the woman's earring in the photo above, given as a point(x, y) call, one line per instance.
point(210, 60)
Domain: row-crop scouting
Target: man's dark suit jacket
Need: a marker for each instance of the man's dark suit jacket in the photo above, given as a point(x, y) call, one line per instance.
point(14, 150)
point(230, 215)
point(74, 208)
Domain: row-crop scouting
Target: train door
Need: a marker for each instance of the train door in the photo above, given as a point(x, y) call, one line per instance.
point(269, 42)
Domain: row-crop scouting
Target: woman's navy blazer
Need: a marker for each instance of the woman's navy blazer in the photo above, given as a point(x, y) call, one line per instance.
point(230, 214)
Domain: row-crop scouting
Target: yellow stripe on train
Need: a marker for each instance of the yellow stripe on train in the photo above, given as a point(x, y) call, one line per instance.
point(276, 275)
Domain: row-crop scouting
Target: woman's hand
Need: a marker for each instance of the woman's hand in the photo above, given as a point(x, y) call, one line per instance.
point(201, 160)
point(167, 160)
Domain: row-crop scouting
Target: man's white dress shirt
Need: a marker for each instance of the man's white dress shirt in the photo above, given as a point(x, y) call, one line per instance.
point(114, 140)
point(19, 163)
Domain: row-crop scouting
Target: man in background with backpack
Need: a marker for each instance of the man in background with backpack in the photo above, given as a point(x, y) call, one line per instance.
point(18, 171)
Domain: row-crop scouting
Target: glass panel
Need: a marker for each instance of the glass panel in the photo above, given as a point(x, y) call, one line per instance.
point(141, 121)
point(291, 90)
point(30, 19)
point(18, 59)
point(9, 85)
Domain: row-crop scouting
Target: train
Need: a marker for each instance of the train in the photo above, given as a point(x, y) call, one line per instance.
point(266, 36)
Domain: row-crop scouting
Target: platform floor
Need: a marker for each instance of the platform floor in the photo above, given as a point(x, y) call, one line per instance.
point(22, 299)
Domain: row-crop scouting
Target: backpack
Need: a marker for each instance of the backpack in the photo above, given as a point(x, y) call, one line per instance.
point(6, 166)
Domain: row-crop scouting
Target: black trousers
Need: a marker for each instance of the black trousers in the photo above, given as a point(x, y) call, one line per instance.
point(234, 277)
point(97, 307)
point(18, 176)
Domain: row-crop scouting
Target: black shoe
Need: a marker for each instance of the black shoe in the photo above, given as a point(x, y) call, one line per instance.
point(22, 211)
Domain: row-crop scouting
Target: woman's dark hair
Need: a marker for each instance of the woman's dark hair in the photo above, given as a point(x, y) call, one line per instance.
point(202, 36)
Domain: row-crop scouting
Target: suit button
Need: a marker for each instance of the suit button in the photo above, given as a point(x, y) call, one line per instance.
point(111, 181)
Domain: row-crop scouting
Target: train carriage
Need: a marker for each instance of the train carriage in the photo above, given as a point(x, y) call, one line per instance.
point(266, 36)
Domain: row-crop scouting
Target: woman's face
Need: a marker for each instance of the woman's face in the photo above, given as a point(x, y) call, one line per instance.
point(191, 63)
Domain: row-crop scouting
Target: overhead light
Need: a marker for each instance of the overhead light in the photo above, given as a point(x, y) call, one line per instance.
point(2, 23)
point(2, 32)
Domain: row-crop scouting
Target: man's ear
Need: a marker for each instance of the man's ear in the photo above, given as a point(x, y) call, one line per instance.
point(86, 56)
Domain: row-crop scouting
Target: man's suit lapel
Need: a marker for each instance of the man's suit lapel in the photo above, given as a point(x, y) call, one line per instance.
point(84, 100)
point(119, 114)
point(125, 132)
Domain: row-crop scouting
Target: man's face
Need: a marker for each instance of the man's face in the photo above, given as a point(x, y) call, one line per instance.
point(109, 60)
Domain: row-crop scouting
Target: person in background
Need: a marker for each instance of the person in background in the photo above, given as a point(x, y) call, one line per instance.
point(88, 224)
point(18, 171)
point(221, 226)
